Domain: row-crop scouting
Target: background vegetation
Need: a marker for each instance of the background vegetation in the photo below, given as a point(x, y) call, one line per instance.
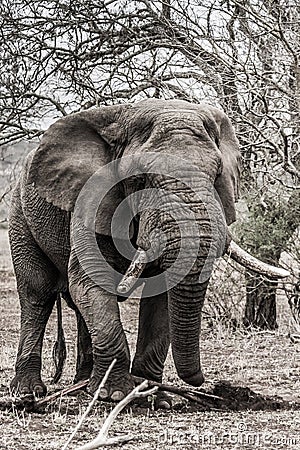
point(60, 56)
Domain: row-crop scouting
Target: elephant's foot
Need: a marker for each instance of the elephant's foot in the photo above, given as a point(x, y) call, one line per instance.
point(83, 374)
point(143, 369)
point(27, 384)
point(146, 367)
point(194, 380)
point(28, 377)
point(115, 389)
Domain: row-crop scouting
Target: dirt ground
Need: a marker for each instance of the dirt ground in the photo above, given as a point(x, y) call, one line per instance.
point(267, 362)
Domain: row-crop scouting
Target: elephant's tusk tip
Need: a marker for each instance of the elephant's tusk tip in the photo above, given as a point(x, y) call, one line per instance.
point(133, 272)
point(122, 289)
point(126, 284)
point(283, 273)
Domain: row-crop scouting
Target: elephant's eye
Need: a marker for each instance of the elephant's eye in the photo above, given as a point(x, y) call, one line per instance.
point(136, 182)
point(220, 168)
point(139, 181)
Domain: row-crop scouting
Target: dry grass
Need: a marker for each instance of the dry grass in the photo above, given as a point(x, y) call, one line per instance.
point(266, 362)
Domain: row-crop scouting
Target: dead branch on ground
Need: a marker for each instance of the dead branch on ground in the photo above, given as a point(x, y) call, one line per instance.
point(91, 404)
point(29, 403)
point(102, 438)
point(219, 396)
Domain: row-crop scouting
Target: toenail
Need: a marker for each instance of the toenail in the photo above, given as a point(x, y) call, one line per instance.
point(38, 390)
point(163, 404)
point(103, 393)
point(117, 396)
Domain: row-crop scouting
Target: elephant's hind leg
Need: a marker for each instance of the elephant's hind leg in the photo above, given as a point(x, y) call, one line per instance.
point(84, 364)
point(36, 283)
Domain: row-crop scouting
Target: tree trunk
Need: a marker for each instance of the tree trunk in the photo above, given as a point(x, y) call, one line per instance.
point(294, 301)
point(260, 309)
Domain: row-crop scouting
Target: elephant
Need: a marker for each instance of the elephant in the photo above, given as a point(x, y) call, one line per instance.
point(175, 168)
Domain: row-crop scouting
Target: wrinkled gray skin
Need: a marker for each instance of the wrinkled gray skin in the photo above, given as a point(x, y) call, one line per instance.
point(46, 264)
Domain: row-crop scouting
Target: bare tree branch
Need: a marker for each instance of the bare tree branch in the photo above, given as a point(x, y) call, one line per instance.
point(102, 437)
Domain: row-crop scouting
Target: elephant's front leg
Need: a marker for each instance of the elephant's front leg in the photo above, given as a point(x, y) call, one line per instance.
point(100, 311)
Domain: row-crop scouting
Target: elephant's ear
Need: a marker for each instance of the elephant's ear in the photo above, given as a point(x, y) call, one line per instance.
point(71, 151)
point(228, 181)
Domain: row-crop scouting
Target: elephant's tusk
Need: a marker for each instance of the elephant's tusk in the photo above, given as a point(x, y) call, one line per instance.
point(133, 272)
point(250, 262)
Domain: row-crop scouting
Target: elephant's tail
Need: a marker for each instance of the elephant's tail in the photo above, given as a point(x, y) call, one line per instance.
point(59, 350)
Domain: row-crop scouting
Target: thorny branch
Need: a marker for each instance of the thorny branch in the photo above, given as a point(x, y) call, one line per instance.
point(102, 438)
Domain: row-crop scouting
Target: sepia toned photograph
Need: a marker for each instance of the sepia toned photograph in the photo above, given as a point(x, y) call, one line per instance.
point(149, 224)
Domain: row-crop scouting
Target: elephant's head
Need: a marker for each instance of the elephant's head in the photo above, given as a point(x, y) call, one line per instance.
point(172, 153)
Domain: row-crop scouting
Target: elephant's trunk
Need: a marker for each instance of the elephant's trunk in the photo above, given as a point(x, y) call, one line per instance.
point(189, 242)
point(187, 282)
point(185, 304)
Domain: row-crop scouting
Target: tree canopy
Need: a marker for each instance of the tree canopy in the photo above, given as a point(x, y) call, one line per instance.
point(60, 56)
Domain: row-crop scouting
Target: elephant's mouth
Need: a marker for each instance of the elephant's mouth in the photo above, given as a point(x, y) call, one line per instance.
point(239, 255)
